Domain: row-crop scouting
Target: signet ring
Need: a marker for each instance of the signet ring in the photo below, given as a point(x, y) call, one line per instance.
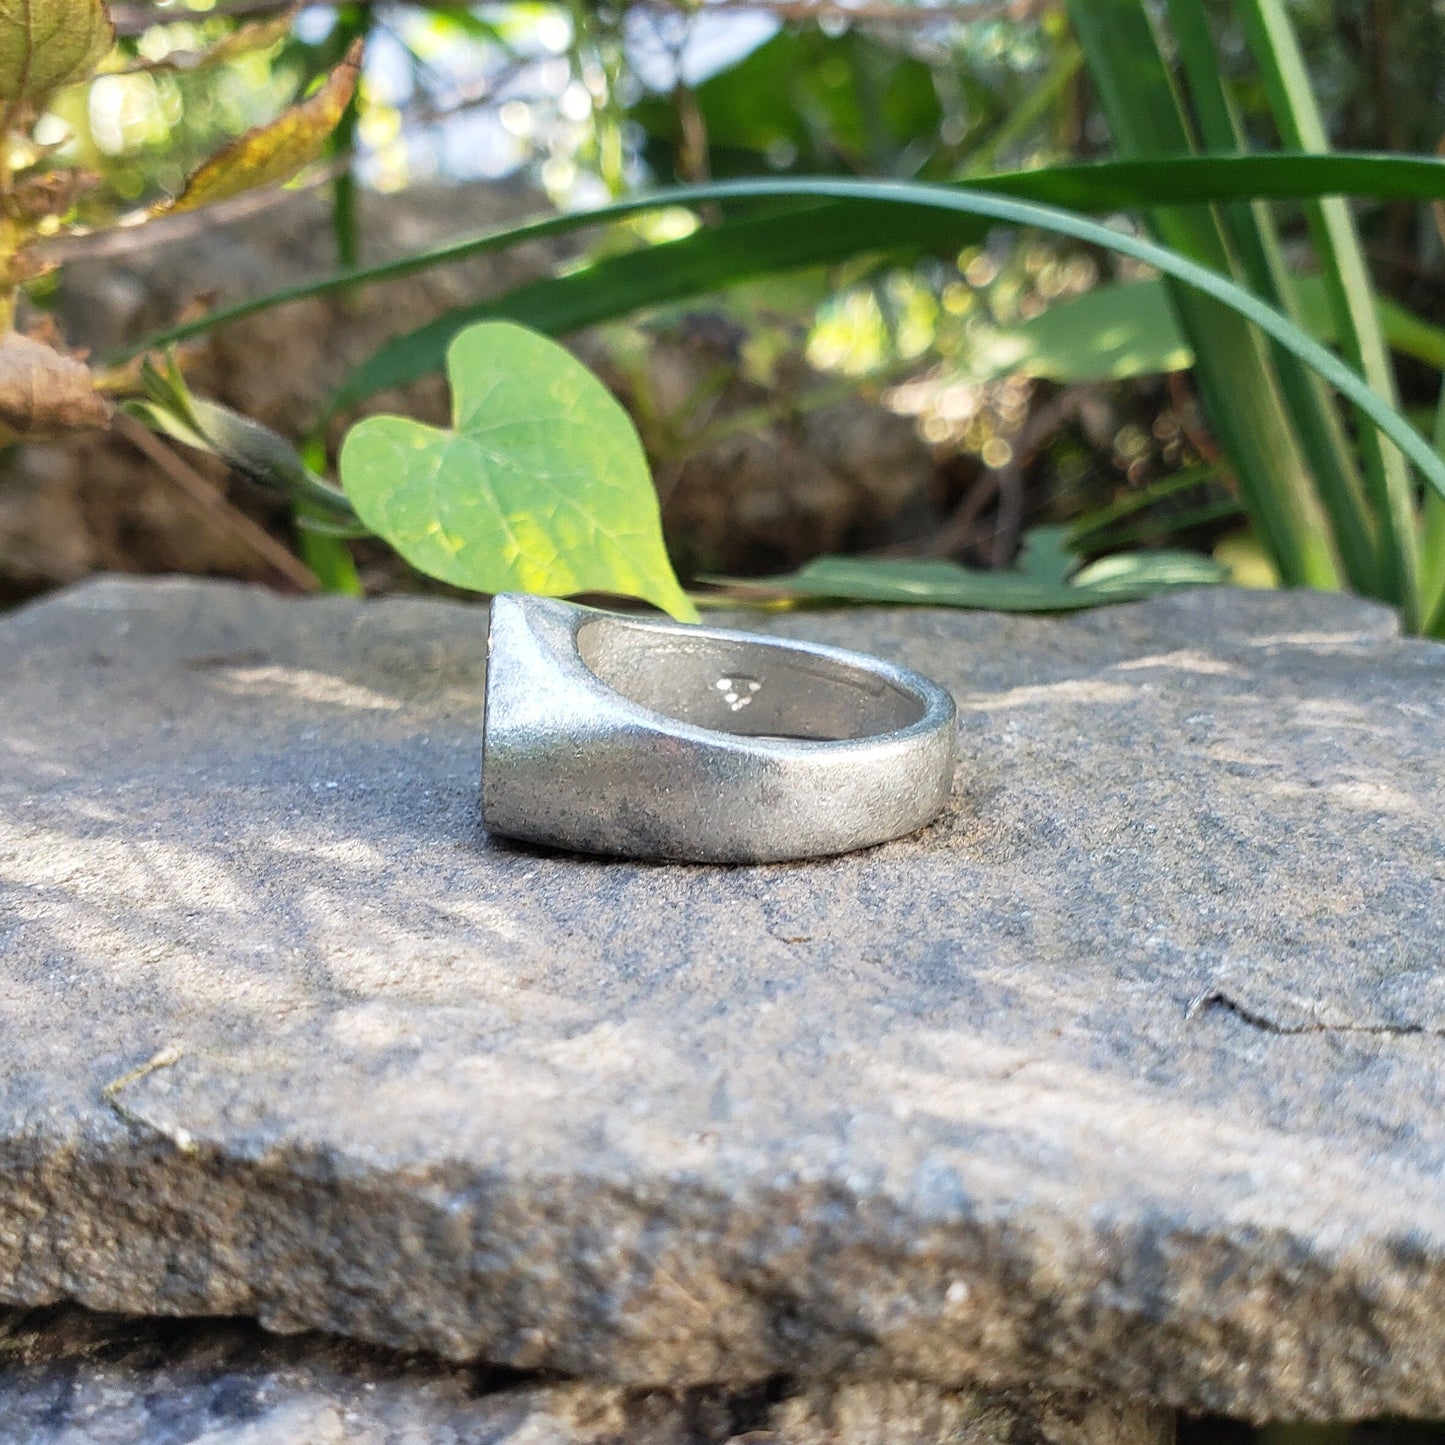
point(644, 738)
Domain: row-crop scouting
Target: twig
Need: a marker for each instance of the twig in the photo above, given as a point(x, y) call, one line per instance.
point(136, 19)
point(167, 1056)
point(465, 97)
point(1009, 520)
point(132, 20)
point(182, 1138)
point(959, 529)
point(1199, 438)
point(143, 233)
point(870, 12)
point(205, 496)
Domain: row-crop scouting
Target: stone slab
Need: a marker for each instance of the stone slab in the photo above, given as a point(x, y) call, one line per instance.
point(1127, 1075)
point(72, 1378)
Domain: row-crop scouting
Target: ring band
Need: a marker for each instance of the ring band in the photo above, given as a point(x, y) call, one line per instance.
point(650, 739)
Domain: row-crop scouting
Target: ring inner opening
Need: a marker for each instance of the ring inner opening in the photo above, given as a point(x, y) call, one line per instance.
point(741, 687)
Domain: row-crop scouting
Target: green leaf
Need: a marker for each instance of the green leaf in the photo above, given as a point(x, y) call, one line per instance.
point(1046, 555)
point(1124, 329)
point(1140, 574)
point(1115, 331)
point(824, 101)
point(945, 584)
point(45, 44)
point(541, 484)
point(650, 278)
point(720, 256)
point(1432, 549)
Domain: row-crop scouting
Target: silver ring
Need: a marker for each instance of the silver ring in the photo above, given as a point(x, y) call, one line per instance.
point(654, 739)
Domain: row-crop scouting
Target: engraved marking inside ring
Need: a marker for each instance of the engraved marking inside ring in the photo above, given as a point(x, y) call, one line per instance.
point(738, 692)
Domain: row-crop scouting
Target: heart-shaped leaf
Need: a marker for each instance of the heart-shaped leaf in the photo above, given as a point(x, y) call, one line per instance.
point(540, 486)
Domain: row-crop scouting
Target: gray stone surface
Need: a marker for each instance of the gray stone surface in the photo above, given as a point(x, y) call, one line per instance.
point(1126, 1074)
point(69, 1378)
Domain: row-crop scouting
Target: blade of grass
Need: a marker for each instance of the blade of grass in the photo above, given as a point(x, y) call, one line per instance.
point(1115, 539)
point(1255, 243)
point(1433, 544)
point(1276, 50)
point(912, 201)
point(1084, 530)
point(1022, 119)
point(1219, 131)
point(1098, 187)
point(1237, 383)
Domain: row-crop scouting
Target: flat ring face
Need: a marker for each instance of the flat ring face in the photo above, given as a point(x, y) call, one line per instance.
point(652, 739)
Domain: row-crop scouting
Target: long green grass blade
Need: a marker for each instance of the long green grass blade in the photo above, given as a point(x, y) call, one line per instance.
point(1041, 99)
point(1342, 265)
point(1099, 187)
point(655, 276)
point(1432, 600)
point(1432, 549)
point(912, 201)
point(1225, 509)
point(1132, 503)
point(1255, 243)
point(1233, 369)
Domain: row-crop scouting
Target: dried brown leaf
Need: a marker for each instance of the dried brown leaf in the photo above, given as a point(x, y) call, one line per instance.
point(43, 391)
point(51, 193)
point(273, 153)
point(29, 264)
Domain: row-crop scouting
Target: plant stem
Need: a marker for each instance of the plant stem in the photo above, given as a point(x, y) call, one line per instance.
point(353, 22)
point(1432, 547)
point(328, 557)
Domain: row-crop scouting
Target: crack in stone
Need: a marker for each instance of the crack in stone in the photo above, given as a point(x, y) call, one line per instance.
point(1218, 998)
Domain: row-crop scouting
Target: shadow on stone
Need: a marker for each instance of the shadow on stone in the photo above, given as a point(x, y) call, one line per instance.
point(285, 1039)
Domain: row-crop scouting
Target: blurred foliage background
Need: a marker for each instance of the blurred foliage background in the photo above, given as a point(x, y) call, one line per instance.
point(939, 406)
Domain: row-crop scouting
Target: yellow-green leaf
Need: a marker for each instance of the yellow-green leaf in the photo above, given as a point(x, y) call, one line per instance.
point(273, 153)
point(540, 486)
point(45, 44)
